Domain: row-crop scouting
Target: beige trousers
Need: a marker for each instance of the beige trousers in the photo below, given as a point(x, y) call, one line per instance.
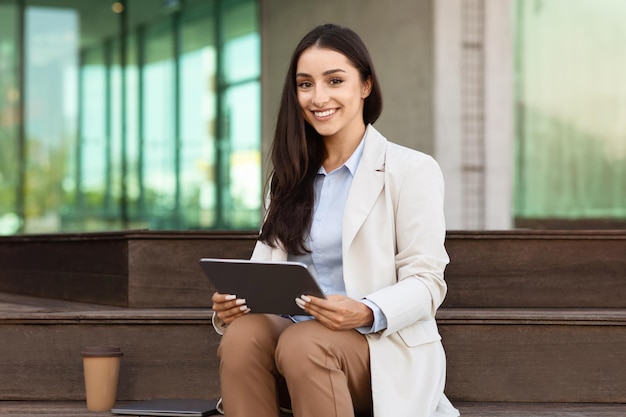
point(326, 372)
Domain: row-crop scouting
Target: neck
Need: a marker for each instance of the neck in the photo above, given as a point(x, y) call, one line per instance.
point(340, 149)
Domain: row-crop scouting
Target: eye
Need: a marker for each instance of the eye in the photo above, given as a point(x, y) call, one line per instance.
point(304, 84)
point(335, 81)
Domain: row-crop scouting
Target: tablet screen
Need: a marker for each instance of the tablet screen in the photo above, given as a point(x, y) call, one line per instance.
point(267, 287)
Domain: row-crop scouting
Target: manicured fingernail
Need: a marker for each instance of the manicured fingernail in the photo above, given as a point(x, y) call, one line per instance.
point(244, 308)
point(247, 311)
point(230, 297)
point(300, 303)
point(240, 301)
point(305, 298)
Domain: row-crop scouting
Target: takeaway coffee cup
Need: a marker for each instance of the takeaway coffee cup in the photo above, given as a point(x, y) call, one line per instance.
point(101, 367)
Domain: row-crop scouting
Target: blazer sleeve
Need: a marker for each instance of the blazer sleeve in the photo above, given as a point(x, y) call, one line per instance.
point(417, 200)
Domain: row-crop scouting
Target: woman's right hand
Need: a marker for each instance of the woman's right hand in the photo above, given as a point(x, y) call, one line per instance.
point(228, 307)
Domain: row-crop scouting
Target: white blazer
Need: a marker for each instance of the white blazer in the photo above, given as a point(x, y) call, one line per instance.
point(393, 254)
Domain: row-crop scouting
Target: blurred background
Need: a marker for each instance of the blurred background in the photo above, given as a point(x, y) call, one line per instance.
point(159, 114)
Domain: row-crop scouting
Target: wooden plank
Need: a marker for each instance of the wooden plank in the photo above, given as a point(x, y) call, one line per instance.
point(467, 409)
point(90, 271)
point(493, 354)
point(88, 287)
point(535, 362)
point(505, 269)
point(536, 269)
point(26, 306)
point(166, 351)
point(165, 272)
point(488, 409)
point(47, 409)
point(167, 360)
point(134, 269)
point(535, 316)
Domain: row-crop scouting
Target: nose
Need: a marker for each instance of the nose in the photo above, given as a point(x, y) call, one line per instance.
point(320, 97)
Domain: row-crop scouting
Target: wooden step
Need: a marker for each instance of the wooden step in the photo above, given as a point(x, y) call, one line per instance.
point(499, 409)
point(536, 269)
point(142, 269)
point(138, 269)
point(511, 355)
point(167, 352)
point(48, 409)
point(467, 409)
point(535, 355)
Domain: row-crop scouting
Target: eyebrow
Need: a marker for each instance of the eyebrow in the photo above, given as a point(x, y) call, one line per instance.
point(328, 72)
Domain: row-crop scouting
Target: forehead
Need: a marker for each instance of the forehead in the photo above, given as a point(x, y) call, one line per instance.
point(315, 61)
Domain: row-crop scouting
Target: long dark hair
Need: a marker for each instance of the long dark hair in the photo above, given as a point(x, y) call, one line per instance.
point(298, 150)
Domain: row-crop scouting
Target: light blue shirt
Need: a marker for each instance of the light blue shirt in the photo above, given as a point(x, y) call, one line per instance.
point(325, 260)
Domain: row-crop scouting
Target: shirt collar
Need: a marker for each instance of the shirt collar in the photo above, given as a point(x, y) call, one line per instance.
point(353, 162)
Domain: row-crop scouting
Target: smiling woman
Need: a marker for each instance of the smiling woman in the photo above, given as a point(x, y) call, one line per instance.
point(366, 217)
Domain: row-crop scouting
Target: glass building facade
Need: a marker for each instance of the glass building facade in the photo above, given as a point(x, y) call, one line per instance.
point(142, 114)
point(130, 114)
point(570, 111)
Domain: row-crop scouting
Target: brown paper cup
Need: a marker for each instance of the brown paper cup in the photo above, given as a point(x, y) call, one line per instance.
point(101, 367)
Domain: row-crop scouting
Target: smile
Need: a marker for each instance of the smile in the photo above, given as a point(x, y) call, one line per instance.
point(324, 113)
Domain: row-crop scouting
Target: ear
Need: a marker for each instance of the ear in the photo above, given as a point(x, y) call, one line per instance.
point(366, 88)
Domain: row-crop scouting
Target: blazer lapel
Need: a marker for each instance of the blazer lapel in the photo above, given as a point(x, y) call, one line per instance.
point(366, 186)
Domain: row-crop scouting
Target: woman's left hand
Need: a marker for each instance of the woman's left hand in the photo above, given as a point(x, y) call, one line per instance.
point(337, 312)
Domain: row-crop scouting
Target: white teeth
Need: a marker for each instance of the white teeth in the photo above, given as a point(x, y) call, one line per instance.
point(324, 113)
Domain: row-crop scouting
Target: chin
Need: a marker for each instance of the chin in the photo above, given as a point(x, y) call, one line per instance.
point(325, 130)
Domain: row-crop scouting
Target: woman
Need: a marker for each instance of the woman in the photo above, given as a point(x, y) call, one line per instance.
point(366, 216)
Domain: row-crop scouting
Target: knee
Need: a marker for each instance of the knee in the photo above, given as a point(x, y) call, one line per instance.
point(298, 350)
point(245, 341)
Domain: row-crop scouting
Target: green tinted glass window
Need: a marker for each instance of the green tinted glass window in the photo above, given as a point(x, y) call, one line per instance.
point(51, 37)
point(159, 154)
point(10, 166)
point(198, 113)
point(571, 109)
point(144, 117)
point(93, 131)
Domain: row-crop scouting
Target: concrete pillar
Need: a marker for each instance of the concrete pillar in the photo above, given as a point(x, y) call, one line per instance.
point(477, 165)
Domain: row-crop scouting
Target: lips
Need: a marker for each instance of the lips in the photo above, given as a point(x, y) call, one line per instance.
point(324, 113)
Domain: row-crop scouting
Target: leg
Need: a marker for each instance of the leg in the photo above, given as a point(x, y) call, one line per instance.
point(327, 372)
point(247, 368)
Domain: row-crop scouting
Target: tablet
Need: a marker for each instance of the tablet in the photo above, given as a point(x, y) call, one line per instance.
point(267, 287)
